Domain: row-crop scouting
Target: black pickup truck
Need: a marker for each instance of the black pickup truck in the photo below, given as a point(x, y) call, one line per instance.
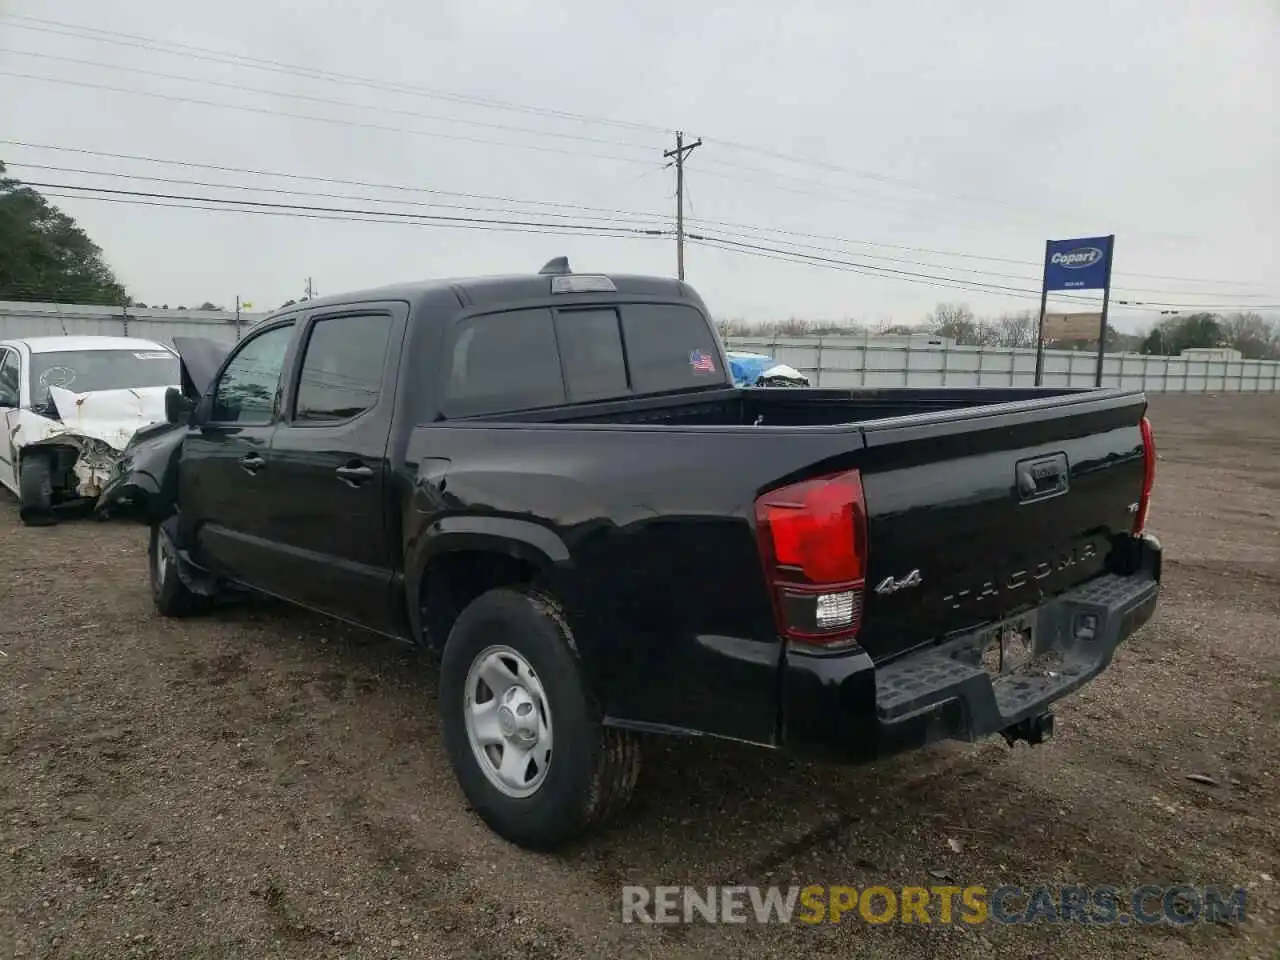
point(551, 480)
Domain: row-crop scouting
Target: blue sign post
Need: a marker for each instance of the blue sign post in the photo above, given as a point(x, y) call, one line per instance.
point(1083, 264)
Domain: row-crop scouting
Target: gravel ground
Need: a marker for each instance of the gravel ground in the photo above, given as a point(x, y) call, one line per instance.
point(265, 783)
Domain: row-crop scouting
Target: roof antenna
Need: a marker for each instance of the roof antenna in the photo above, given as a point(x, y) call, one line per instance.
point(557, 265)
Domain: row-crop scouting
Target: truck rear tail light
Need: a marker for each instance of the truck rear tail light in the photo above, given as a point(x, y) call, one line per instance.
point(813, 543)
point(1148, 476)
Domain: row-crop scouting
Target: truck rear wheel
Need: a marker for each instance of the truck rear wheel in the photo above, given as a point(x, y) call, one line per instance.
point(523, 736)
point(35, 491)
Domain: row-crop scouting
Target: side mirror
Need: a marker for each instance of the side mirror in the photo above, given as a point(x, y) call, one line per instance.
point(177, 408)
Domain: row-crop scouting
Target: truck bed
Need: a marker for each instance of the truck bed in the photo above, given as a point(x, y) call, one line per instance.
point(942, 470)
point(790, 407)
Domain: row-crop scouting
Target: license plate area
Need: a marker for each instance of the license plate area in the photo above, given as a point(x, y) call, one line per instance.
point(1006, 647)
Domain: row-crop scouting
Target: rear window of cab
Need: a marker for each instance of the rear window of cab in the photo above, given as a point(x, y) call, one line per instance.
point(543, 357)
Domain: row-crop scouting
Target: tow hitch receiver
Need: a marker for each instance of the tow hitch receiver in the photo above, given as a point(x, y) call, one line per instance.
point(1034, 730)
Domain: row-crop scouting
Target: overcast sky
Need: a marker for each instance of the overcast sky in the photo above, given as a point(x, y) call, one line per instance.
point(981, 127)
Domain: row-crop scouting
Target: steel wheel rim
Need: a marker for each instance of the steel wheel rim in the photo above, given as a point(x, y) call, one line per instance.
point(508, 721)
point(161, 572)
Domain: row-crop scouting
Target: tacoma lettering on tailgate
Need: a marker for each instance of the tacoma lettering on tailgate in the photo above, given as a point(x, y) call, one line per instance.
point(1020, 578)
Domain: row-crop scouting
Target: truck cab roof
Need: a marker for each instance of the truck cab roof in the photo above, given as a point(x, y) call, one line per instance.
point(508, 288)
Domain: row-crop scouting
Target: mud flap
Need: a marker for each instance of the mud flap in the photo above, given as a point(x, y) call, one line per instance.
point(193, 578)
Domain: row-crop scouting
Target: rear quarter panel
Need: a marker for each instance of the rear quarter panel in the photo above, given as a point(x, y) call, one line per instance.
point(661, 577)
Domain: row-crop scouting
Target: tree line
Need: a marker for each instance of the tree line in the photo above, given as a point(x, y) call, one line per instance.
point(1256, 337)
point(952, 321)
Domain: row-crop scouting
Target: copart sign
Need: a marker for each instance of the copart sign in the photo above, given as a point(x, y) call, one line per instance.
point(1083, 264)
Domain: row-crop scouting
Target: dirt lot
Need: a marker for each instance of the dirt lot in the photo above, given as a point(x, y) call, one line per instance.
point(263, 783)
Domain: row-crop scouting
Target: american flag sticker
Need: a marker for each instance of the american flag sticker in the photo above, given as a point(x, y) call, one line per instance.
point(701, 362)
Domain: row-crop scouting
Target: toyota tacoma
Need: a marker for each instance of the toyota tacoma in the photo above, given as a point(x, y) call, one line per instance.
point(552, 481)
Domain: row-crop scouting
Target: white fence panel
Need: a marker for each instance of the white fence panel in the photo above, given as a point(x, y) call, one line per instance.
point(70, 319)
point(843, 362)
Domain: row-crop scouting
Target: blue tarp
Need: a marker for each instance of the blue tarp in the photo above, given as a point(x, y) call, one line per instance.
point(748, 368)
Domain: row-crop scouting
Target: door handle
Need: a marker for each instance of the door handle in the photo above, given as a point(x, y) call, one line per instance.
point(252, 463)
point(354, 475)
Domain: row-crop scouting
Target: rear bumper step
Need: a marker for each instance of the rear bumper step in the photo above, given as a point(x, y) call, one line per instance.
point(845, 707)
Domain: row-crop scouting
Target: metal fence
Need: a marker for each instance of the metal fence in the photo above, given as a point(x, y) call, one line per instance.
point(59, 319)
point(857, 362)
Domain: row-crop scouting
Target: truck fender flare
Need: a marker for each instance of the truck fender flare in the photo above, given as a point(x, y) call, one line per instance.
point(522, 539)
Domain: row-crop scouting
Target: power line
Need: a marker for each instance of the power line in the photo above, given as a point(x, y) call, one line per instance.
point(766, 233)
point(868, 268)
point(218, 56)
point(849, 195)
point(617, 215)
point(933, 251)
point(259, 63)
point(1012, 211)
point(424, 217)
point(628, 221)
point(331, 120)
point(763, 234)
point(148, 198)
point(222, 168)
point(327, 101)
point(828, 264)
point(191, 51)
point(210, 205)
point(888, 181)
point(769, 252)
point(793, 255)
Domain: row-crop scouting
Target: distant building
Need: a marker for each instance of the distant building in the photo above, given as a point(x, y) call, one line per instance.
point(1211, 353)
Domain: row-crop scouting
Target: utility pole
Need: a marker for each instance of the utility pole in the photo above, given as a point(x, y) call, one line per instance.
point(678, 154)
point(1106, 302)
point(1044, 303)
point(311, 293)
point(237, 318)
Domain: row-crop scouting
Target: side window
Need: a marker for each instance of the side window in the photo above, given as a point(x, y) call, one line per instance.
point(9, 378)
point(246, 391)
point(591, 351)
point(669, 347)
point(502, 361)
point(342, 368)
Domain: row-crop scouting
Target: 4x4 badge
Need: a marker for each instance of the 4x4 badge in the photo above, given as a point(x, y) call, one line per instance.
point(890, 585)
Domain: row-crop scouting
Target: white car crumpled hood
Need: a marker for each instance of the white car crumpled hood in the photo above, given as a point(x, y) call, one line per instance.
point(112, 416)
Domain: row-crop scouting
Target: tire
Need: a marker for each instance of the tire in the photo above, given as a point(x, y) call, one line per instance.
point(170, 595)
point(35, 491)
point(566, 791)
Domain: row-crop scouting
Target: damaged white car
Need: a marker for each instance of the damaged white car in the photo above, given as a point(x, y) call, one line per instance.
point(69, 406)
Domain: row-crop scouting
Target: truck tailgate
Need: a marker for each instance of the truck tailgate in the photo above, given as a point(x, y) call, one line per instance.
point(977, 514)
